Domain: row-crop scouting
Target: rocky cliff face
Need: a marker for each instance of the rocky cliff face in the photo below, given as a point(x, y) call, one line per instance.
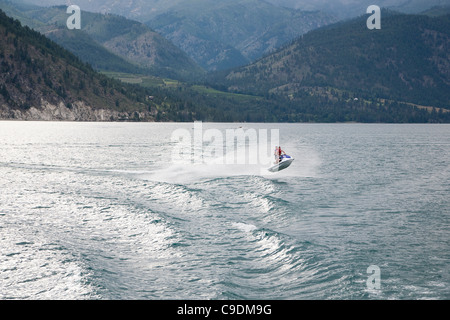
point(78, 111)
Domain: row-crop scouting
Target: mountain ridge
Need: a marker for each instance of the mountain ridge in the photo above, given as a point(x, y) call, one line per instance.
point(407, 60)
point(110, 42)
point(40, 80)
point(221, 35)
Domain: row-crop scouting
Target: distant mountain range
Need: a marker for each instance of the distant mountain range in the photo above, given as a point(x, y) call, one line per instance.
point(217, 35)
point(40, 80)
point(407, 60)
point(354, 8)
point(109, 42)
point(340, 72)
point(224, 34)
point(144, 10)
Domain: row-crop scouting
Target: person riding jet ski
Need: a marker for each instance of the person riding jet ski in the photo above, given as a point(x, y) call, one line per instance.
point(282, 160)
point(278, 154)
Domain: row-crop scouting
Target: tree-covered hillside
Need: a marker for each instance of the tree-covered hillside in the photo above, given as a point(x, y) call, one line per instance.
point(407, 60)
point(225, 34)
point(40, 80)
point(109, 42)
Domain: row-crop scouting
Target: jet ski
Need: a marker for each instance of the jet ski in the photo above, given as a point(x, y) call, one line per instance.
point(285, 161)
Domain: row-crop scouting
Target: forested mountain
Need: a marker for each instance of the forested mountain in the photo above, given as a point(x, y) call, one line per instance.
point(224, 34)
point(353, 8)
point(343, 72)
point(144, 10)
point(215, 34)
point(37, 73)
point(109, 42)
point(437, 11)
point(40, 80)
point(140, 10)
point(407, 60)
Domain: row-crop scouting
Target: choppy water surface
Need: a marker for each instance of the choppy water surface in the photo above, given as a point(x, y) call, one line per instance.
point(98, 211)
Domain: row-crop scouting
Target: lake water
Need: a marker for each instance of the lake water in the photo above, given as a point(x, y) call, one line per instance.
point(101, 211)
